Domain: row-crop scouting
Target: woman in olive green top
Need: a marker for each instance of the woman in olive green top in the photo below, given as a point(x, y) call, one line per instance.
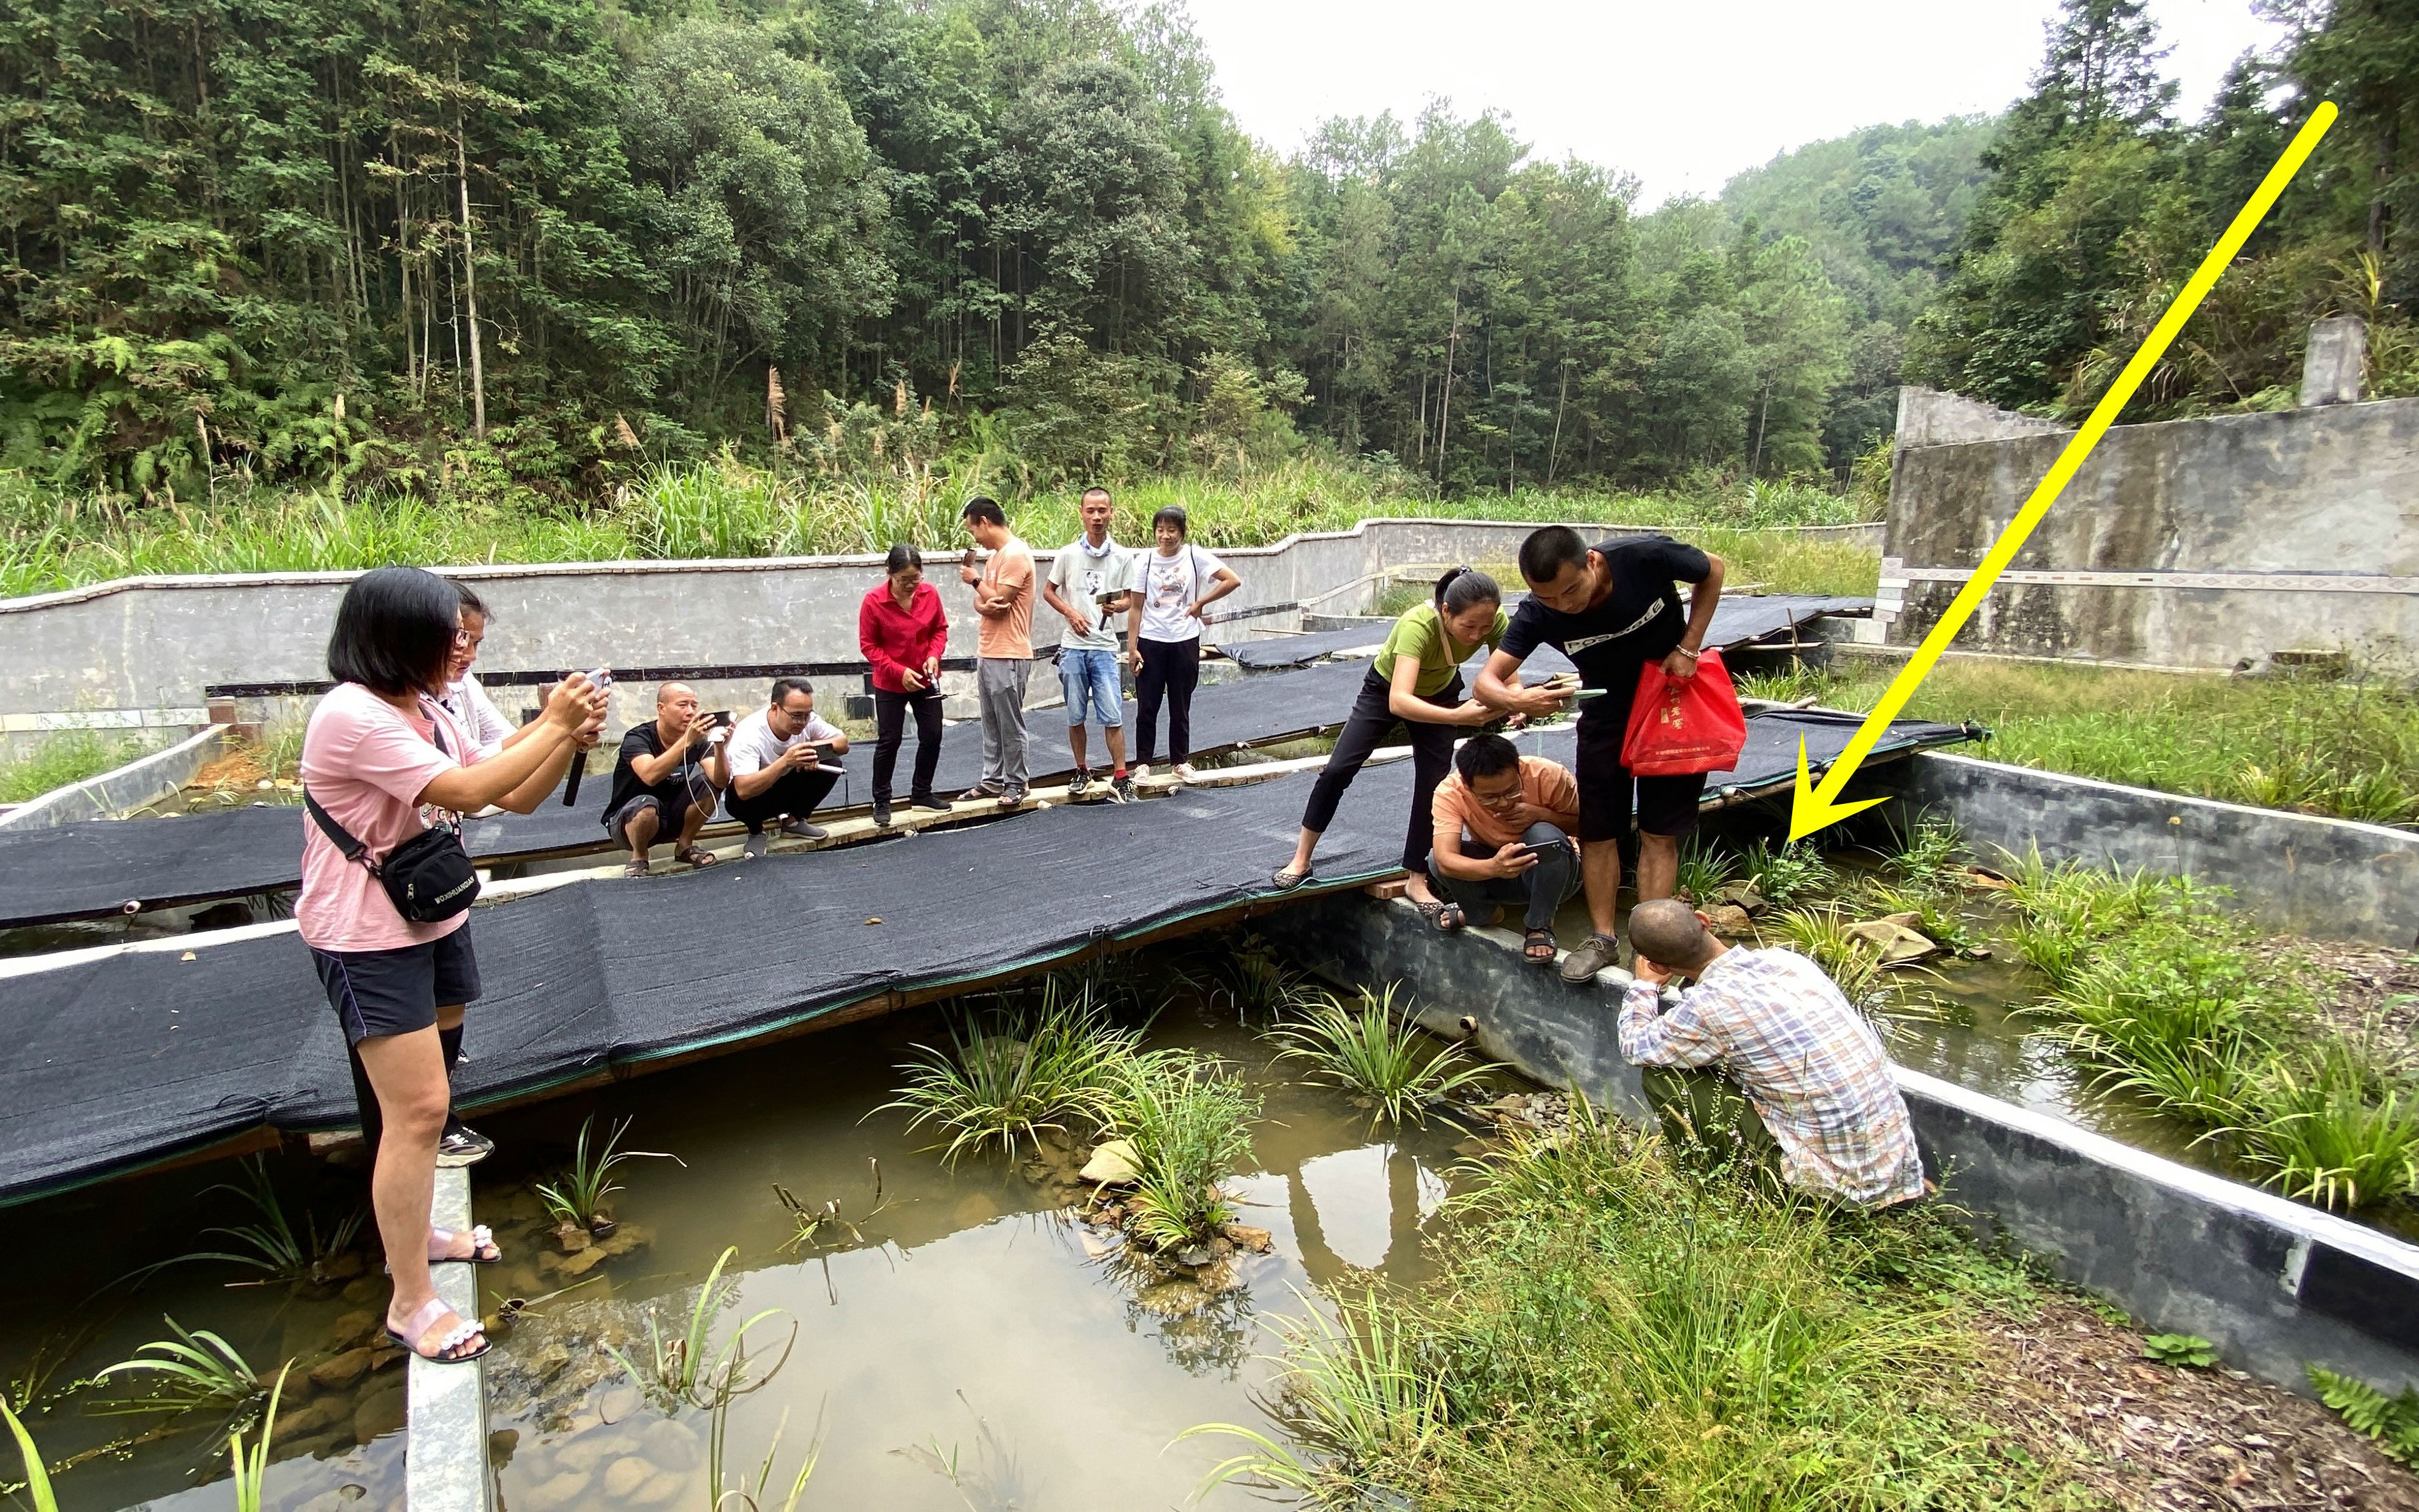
point(1416, 681)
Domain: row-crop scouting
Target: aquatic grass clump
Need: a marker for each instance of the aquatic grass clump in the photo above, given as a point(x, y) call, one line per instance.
point(197, 1371)
point(1821, 935)
point(2169, 1000)
point(1608, 1334)
point(248, 1468)
point(1705, 870)
point(578, 1196)
point(1369, 1046)
point(689, 1369)
point(1005, 1078)
point(1190, 1122)
point(1784, 875)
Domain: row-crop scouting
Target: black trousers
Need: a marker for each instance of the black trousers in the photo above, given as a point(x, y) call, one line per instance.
point(890, 712)
point(1170, 669)
point(794, 793)
point(1364, 729)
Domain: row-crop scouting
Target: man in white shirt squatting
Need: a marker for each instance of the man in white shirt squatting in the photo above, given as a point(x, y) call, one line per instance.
point(1820, 1104)
point(779, 766)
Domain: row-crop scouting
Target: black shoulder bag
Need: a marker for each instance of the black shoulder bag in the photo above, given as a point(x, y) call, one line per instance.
point(429, 876)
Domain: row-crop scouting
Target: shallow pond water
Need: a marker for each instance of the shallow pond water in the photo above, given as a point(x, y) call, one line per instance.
point(966, 1343)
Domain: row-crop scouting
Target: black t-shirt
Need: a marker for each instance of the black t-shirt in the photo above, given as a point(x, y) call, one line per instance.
point(1639, 620)
point(645, 740)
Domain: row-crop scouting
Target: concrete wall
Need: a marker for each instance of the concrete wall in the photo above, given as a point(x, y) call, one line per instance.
point(2277, 1285)
point(2194, 543)
point(131, 786)
point(2330, 879)
point(148, 642)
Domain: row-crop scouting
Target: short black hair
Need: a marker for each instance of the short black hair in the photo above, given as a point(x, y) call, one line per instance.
point(1172, 515)
point(394, 631)
point(784, 686)
point(1485, 756)
point(1096, 489)
point(472, 601)
point(1548, 551)
point(903, 557)
point(985, 508)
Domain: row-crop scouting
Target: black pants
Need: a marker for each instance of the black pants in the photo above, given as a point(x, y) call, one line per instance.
point(1536, 892)
point(890, 727)
point(1364, 729)
point(794, 793)
point(1172, 669)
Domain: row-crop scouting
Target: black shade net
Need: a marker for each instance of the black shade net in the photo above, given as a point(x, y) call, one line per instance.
point(132, 1057)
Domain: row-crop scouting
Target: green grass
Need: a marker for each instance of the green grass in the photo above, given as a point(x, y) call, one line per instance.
point(2350, 748)
point(726, 508)
point(1050, 1060)
point(2177, 1004)
point(67, 756)
point(1190, 1121)
point(1606, 1334)
point(1366, 1046)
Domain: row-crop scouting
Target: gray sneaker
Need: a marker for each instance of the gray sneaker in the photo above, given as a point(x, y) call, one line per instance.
point(756, 844)
point(800, 830)
point(1601, 950)
point(461, 1145)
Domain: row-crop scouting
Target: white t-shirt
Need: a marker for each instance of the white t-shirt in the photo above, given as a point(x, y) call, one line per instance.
point(1082, 574)
point(477, 714)
point(754, 747)
point(1171, 585)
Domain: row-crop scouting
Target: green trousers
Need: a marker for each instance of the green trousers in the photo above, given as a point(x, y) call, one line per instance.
point(1710, 1125)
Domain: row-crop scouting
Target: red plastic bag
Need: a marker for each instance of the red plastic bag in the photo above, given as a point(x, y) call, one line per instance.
point(1681, 725)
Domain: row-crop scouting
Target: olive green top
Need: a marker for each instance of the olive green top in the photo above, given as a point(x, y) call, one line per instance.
point(1420, 634)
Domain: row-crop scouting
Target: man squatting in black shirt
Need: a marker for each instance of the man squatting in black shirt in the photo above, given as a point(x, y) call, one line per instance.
point(1612, 608)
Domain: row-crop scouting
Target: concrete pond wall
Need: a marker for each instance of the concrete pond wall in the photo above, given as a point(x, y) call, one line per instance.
point(148, 643)
point(2190, 543)
point(2277, 1285)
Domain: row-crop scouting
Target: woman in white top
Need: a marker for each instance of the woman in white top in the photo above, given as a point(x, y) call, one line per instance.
point(1163, 635)
point(379, 754)
point(465, 699)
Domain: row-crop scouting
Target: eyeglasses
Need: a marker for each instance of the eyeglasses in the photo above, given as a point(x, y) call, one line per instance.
point(461, 639)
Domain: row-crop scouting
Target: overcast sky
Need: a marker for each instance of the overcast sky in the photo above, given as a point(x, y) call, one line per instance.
point(1681, 94)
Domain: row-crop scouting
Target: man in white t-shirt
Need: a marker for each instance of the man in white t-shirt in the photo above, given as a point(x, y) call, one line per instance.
point(780, 765)
point(1092, 579)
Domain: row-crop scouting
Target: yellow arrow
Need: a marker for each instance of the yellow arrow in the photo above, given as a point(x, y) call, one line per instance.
point(1810, 806)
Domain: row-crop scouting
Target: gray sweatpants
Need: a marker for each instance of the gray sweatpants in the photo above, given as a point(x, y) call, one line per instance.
point(999, 691)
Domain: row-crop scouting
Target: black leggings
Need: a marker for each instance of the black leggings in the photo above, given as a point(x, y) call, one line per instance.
point(890, 728)
point(1172, 668)
point(1365, 729)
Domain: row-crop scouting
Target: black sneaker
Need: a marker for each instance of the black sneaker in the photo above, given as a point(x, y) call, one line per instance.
point(1079, 787)
point(1121, 790)
point(931, 801)
point(881, 816)
point(461, 1145)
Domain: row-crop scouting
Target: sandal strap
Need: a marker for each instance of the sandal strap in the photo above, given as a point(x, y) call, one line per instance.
point(424, 1317)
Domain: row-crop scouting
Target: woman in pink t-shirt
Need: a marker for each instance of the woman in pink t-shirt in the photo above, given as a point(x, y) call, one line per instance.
point(379, 750)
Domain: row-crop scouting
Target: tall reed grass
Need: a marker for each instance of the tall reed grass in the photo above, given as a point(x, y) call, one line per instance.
point(1369, 1045)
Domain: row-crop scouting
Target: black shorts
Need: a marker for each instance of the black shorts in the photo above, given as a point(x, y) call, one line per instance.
point(668, 821)
point(380, 993)
point(1665, 804)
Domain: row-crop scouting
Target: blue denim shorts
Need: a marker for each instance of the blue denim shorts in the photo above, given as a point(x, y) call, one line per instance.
point(1090, 677)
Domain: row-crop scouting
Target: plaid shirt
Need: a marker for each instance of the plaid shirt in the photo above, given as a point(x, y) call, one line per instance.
point(1812, 1067)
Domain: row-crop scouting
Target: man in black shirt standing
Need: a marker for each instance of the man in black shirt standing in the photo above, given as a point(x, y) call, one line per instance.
point(666, 779)
point(1612, 608)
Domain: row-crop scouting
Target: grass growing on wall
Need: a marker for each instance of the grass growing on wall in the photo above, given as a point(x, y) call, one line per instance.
point(2349, 750)
point(67, 756)
point(729, 509)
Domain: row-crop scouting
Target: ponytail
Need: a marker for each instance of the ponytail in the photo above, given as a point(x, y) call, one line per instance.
point(1464, 588)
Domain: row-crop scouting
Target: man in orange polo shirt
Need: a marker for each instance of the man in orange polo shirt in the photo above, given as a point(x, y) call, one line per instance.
point(1504, 823)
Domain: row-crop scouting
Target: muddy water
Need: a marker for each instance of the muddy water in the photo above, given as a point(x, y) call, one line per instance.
point(961, 1341)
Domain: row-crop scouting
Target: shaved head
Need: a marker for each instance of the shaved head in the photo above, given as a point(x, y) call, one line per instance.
point(670, 691)
point(1668, 933)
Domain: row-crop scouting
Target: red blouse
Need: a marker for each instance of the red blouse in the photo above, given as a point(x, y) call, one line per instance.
point(895, 639)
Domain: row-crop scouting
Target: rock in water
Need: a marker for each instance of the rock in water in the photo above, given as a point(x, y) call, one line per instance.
point(1116, 1163)
point(1730, 918)
point(626, 1476)
point(380, 1412)
point(1897, 939)
point(554, 1492)
point(342, 1369)
point(672, 1445)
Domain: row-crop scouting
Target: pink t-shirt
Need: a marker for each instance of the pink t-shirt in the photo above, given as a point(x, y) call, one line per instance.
point(367, 763)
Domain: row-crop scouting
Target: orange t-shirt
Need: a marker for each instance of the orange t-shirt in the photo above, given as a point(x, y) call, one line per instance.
point(1548, 793)
point(1010, 635)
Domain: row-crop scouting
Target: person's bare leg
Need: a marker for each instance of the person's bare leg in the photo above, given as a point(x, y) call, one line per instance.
point(1301, 849)
point(1600, 871)
point(692, 821)
point(1116, 733)
point(640, 833)
point(1415, 887)
point(1658, 866)
point(1075, 746)
point(409, 1075)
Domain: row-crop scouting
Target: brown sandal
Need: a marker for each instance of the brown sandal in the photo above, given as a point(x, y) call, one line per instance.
point(697, 855)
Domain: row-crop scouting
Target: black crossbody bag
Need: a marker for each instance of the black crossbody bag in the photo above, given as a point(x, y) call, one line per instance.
point(428, 876)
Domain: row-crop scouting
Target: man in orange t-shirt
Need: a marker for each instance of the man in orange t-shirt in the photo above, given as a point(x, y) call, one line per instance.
point(1504, 823)
point(1003, 650)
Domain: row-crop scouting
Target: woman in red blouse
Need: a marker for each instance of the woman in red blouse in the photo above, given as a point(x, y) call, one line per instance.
point(903, 630)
